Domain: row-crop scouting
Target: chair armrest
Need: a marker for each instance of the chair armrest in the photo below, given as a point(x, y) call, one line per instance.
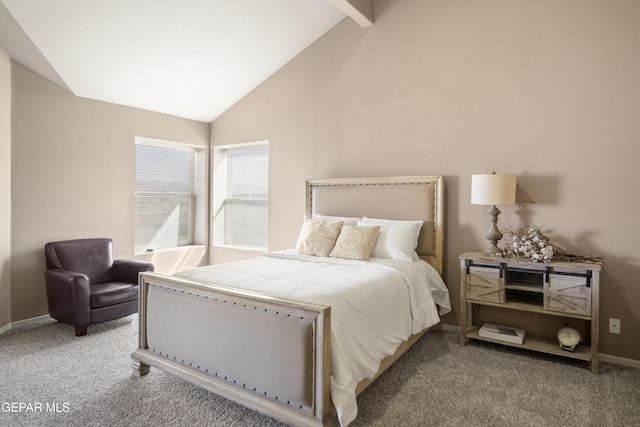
point(68, 296)
point(127, 270)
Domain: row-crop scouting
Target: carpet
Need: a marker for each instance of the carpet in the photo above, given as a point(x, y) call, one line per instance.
point(50, 377)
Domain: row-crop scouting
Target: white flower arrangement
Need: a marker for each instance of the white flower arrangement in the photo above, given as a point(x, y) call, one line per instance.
point(530, 242)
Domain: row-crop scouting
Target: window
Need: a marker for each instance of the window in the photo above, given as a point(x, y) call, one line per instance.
point(164, 195)
point(241, 193)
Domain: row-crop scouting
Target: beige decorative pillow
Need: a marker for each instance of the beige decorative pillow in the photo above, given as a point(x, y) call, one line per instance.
point(318, 238)
point(355, 242)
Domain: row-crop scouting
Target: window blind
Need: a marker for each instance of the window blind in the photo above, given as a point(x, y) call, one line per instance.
point(164, 197)
point(246, 201)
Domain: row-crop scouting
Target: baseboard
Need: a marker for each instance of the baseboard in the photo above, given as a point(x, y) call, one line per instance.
point(632, 363)
point(26, 322)
point(449, 328)
point(616, 360)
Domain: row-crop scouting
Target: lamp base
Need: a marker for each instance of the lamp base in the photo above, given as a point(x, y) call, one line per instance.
point(493, 251)
point(493, 234)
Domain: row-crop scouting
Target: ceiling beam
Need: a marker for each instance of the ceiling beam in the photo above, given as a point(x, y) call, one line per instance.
point(360, 11)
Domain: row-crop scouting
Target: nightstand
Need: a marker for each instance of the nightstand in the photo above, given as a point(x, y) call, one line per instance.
point(565, 289)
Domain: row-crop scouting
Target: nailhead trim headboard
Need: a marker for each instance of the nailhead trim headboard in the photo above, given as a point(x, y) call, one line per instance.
point(400, 198)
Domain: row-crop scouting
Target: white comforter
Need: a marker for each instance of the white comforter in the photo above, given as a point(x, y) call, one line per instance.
point(375, 305)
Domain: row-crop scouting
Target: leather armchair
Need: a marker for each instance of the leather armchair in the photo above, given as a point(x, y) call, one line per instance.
point(85, 285)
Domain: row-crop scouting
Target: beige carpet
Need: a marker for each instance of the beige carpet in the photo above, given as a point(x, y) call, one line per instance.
point(49, 377)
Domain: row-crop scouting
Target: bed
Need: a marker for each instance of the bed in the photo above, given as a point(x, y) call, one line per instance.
point(285, 347)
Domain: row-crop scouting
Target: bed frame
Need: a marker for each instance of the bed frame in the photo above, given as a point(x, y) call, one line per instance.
point(272, 354)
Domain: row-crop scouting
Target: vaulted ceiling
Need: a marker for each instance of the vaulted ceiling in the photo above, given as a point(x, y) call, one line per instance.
point(191, 59)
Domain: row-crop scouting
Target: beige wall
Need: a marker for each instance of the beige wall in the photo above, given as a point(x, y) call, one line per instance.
point(5, 187)
point(73, 177)
point(546, 90)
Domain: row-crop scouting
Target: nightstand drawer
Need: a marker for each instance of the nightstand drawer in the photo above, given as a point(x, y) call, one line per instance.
point(568, 294)
point(484, 284)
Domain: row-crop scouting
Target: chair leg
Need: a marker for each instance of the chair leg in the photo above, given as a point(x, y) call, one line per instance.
point(81, 331)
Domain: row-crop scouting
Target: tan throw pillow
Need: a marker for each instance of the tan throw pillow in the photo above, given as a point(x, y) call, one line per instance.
point(355, 242)
point(318, 238)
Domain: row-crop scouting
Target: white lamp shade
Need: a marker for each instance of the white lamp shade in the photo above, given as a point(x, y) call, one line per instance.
point(493, 189)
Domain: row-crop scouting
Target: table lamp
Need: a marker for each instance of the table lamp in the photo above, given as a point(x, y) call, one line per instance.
point(493, 189)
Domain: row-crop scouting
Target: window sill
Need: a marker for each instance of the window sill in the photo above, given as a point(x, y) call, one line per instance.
point(168, 250)
point(241, 248)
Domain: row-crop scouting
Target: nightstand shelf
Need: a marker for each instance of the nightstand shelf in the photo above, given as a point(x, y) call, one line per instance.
point(524, 287)
point(543, 345)
point(564, 289)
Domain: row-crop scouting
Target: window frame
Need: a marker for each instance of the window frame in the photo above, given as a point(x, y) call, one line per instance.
point(196, 194)
point(221, 184)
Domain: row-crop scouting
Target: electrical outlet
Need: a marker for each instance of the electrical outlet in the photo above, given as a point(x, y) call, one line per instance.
point(614, 326)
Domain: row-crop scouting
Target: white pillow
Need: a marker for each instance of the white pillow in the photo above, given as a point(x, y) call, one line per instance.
point(305, 221)
point(342, 219)
point(396, 239)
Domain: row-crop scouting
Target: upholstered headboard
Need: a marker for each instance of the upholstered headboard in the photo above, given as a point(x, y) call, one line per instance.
point(400, 198)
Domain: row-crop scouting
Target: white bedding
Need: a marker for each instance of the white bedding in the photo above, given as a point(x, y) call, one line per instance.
point(375, 305)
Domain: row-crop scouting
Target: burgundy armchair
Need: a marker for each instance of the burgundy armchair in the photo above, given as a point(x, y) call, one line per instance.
point(85, 285)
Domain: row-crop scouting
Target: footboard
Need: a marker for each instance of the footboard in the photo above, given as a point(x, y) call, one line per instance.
point(267, 353)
